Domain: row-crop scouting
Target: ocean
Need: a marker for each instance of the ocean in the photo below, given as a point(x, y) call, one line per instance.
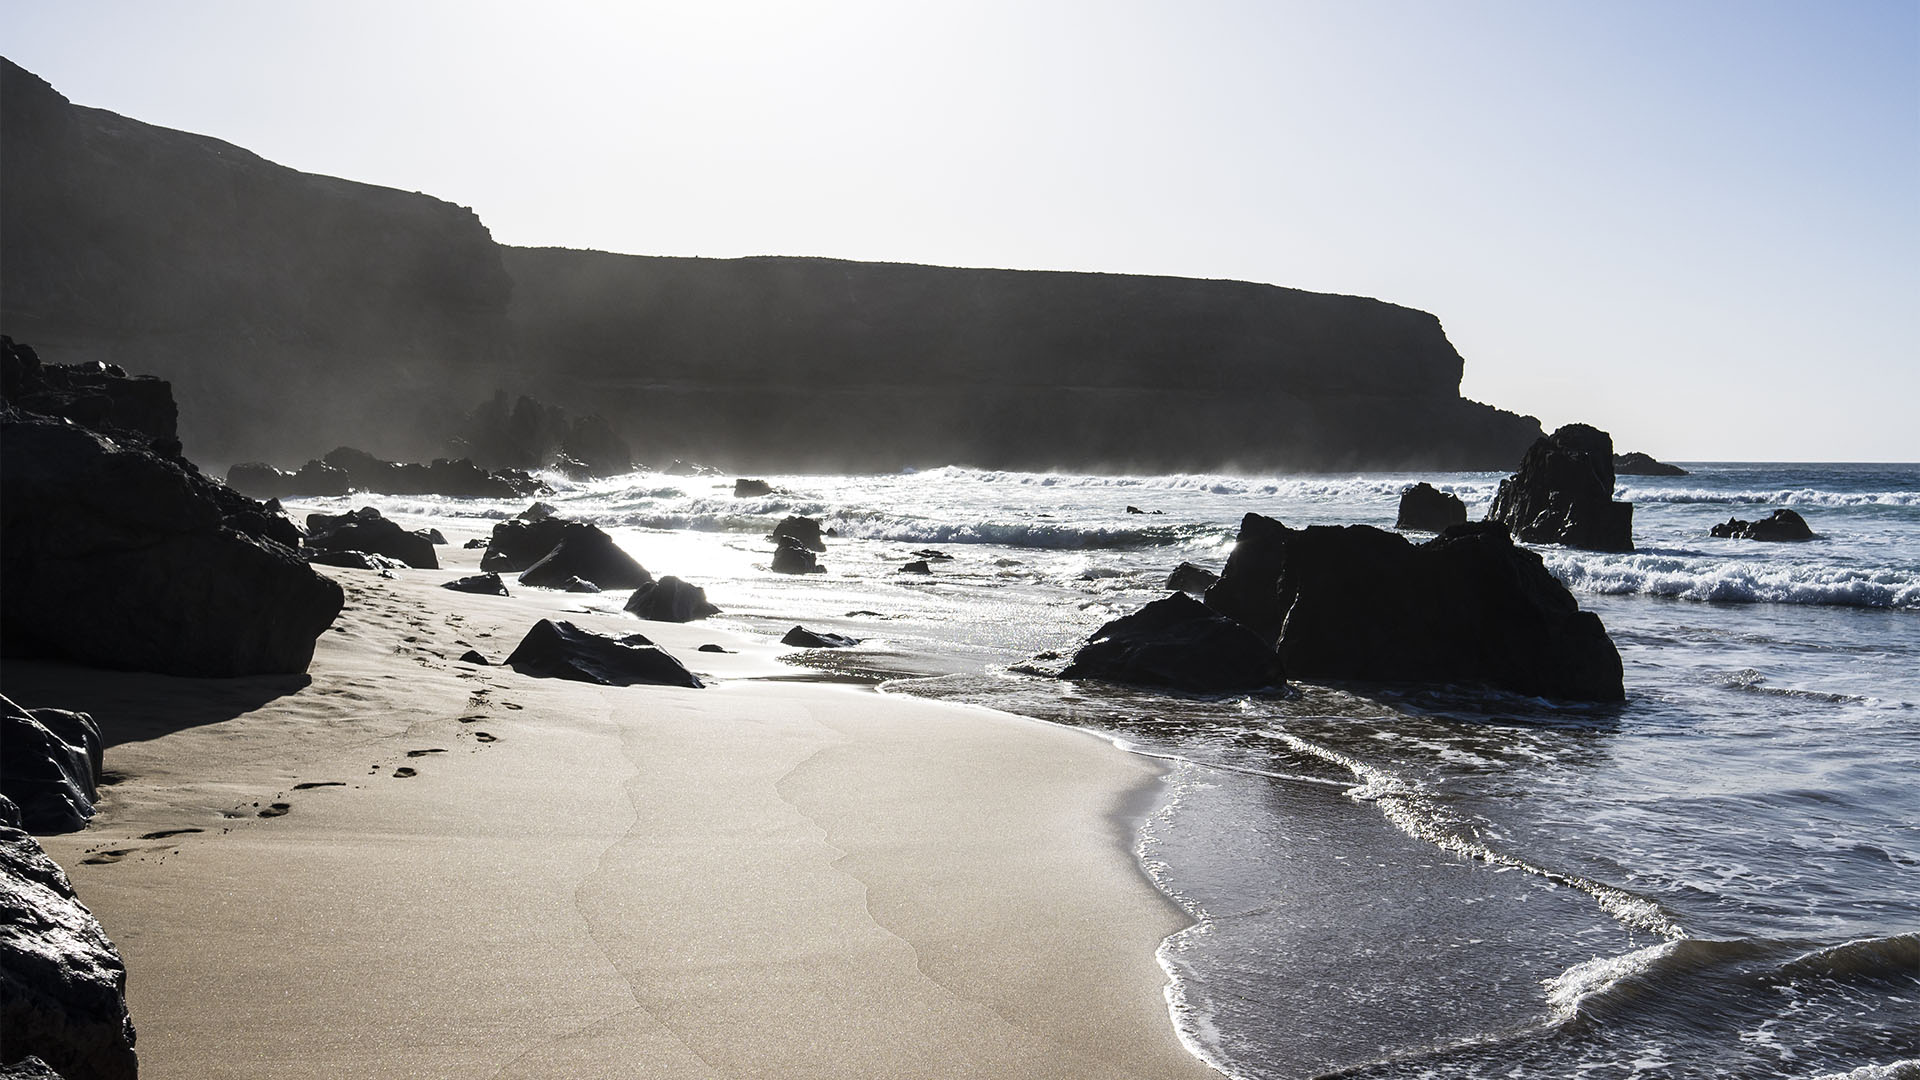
point(1718, 877)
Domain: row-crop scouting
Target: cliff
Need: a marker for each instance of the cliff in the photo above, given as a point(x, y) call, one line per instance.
point(293, 313)
point(290, 311)
point(820, 363)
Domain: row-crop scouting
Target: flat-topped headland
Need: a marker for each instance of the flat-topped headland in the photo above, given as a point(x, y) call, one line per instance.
point(295, 312)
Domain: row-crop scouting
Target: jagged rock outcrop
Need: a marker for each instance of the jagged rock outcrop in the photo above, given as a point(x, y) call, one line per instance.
point(119, 558)
point(1635, 463)
point(1468, 606)
point(670, 600)
point(1429, 509)
point(63, 986)
point(1563, 494)
point(135, 410)
point(441, 476)
point(291, 311)
point(1181, 644)
point(564, 651)
point(50, 763)
point(367, 531)
point(1781, 525)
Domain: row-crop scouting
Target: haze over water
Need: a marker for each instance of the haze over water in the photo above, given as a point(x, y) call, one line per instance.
point(1717, 877)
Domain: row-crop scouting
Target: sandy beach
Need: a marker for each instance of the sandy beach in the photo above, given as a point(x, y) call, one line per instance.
point(403, 865)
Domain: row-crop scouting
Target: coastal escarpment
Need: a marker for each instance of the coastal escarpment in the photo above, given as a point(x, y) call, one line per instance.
point(291, 311)
point(823, 364)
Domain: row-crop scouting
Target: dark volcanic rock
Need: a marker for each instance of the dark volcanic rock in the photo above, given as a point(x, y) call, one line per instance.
point(1639, 464)
point(583, 551)
point(1179, 643)
point(1781, 525)
point(443, 476)
point(1189, 578)
point(136, 410)
point(366, 530)
point(518, 543)
point(579, 585)
point(564, 651)
point(809, 639)
point(1563, 494)
point(746, 489)
point(792, 557)
point(119, 558)
point(472, 656)
point(483, 584)
point(918, 566)
point(670, 600)
point(62, 983)
point(50, 762)
point(354, 560)
point(1429, 509)
point(803, 529)
point(1468, 606)
point(263, 481)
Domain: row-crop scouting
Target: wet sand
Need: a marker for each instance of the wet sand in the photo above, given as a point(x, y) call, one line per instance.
point(402, 865)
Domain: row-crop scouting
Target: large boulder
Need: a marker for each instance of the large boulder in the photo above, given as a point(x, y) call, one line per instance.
point(1179, 643)
point(481, 584)
point(583, 551)
point(804, 530)
point(1781, 525)
point(1468, 606)
point(1189, 578)
point(1636, 463)
point(117, 557)
point(670, 600)
point(50, 763)
point(1428, 509)
point(1563, 494)
point(791, 556)
point(366, 530)
point(562, 650)
point(62, 983)
point(136, 410)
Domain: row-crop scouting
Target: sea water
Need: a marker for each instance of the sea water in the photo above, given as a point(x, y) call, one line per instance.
point(1718, 877)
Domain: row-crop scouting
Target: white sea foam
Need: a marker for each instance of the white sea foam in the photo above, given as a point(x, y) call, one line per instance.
point(1735, 581)
point(1775, 497)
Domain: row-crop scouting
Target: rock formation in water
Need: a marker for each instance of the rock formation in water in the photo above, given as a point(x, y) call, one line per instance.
point(1429, 509)
point(1180, 644)
point(295, 311)
point(1563, 494)
point(1635, 463)
point(1781, 525)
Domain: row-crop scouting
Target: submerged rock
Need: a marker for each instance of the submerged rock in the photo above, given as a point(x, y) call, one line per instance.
point(1639, 464)
point(792, 557)
point(584, 552)
point(62, 983)
point(670, 600)
point(50, 763)
point(804, 530)
point(1429, 509)
point(1468, 606)
point(1189, 578)
point(747, 489)
point(1781, 525)
point(918, 566)
point(809, 639)
point(1179, 643)
point(564, 651)
point(1563, 494)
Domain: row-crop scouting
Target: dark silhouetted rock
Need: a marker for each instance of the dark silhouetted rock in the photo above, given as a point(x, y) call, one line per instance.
point(367, 531)
point(263, 481)
point(933, 555)
point(62, 983)
point(1639, 464)
point(443, 476)
point(792, 557)
point(809, 639)
point(1189, 578)
point(483, 584)
point(1563, 494)
point(50, 763)
point(803, 529)
point(355, 560)
point(1429, 509)
point(564, 651)
point(436, 537)
point(530, 434)
point(518, 543)
point(134, 410)
point(119, 558)
point(715, 649)
point(583, 551)
point(472, 656)
point(475, 543)
point(1181, 644)
point(1246, 591)
point(918, 566)
point(1781, 525)
point(670, 600)
point(579, 585)
point(747, 489)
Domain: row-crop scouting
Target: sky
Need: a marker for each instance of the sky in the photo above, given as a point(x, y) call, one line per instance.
point(1694, 224)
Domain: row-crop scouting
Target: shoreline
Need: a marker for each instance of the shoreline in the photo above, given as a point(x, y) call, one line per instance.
point(766, 877)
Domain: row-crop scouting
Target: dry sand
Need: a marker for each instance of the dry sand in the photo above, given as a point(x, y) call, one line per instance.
point(762, 878)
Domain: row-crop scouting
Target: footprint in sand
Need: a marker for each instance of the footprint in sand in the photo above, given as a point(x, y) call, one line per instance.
point(404, 771)
point(311, 784)
point(424, 753)
point(482, 736)
point(162, 834)
point(472, 718)
point(276, 810)
point(510, 705)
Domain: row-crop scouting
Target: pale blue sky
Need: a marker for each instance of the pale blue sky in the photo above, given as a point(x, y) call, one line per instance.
point(1694, 224)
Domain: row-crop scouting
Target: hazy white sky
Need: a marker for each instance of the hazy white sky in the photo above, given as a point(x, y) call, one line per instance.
point(1694, 224)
